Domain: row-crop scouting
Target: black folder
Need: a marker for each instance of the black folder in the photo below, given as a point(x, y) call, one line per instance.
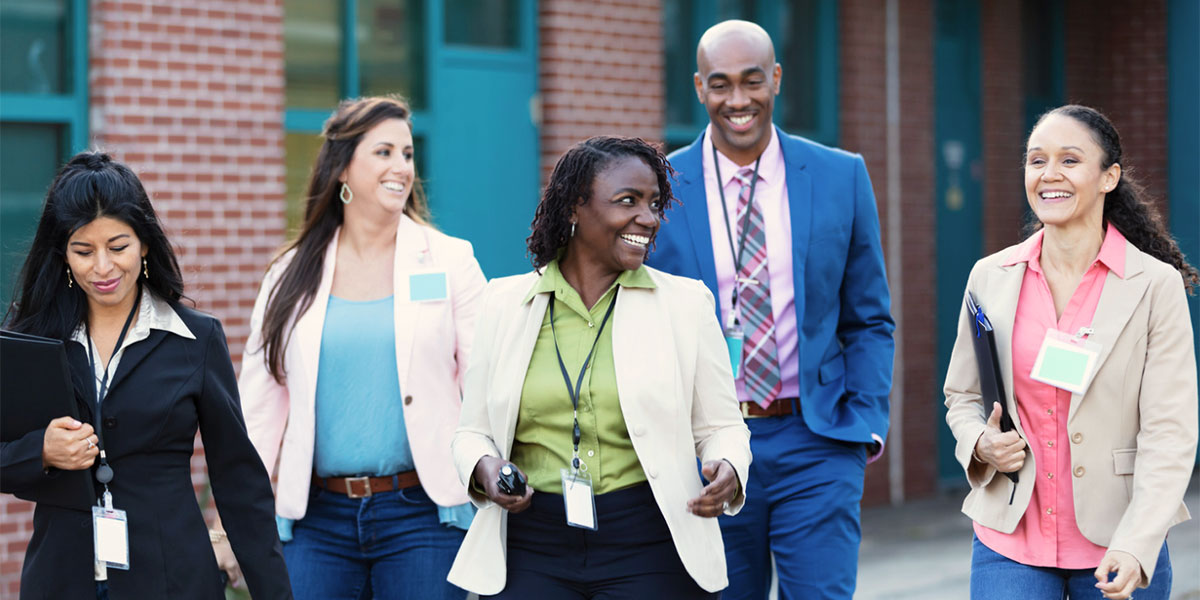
point(991, 381)
point(35, 388)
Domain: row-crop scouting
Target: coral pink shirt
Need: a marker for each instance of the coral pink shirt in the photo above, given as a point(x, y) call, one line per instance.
point(1047, 535)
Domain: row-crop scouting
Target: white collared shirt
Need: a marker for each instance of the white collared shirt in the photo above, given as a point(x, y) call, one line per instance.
point(153, 313)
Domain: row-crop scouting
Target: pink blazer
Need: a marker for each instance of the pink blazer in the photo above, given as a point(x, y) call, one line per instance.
point(433, 340)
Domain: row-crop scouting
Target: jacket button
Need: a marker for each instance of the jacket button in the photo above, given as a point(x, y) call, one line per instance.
point(110, 422)
point(407, 400)
point(1079, 471)
point(638, 430)
point(652, 473)
point(1077, 437)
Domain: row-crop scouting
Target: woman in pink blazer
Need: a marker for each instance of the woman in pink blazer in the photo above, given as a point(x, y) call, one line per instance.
point(352, 374)
point(1094, 344)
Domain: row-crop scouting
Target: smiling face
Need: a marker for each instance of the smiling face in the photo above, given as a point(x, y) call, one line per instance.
point(105, 258)
point(617, 224)
point(381, 172)
point(1065, 181)
point(737, 82)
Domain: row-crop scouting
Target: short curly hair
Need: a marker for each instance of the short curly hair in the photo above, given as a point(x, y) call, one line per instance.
point(571, 185)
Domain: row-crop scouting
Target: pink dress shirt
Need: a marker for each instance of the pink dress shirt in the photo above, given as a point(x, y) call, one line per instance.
point(772, 198)
point(1047, 535)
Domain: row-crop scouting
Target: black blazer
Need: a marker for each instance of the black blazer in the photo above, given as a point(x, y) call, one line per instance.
point(165, 387)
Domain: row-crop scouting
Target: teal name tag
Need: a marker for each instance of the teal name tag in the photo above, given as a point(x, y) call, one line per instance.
point(426, 287)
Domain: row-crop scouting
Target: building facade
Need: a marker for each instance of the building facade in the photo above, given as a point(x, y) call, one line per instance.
point(217, 105)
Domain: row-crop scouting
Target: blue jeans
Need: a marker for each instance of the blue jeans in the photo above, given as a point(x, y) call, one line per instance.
point(387, 546)
point(802, 505)
point(995, 577)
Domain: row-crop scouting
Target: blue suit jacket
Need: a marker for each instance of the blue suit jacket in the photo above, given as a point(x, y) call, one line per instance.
point(842, 303)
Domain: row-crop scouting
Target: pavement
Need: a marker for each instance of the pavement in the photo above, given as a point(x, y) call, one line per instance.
point(922, 550)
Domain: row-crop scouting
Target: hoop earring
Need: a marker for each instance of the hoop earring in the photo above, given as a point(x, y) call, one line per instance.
point(69, 282)
point(572, 230)
point(145, 268)
point(346, 194)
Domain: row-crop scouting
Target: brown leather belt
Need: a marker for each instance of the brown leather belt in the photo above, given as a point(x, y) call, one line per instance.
point(361, 487)
point(779, 408)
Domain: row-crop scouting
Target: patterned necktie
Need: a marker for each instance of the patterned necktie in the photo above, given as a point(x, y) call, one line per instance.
point(760, 364)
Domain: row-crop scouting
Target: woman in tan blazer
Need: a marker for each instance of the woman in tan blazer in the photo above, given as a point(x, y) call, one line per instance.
point(1102, 469)
point(650, 376)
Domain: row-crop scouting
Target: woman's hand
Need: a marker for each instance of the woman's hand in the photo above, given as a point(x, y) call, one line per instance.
point(1129, 573)
point(69, 445)
point(722, 488)
point(1003, 450)
point(487, 472)
point(225, 558)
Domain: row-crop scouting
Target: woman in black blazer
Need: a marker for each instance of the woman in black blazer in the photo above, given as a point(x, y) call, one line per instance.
point(102, 277)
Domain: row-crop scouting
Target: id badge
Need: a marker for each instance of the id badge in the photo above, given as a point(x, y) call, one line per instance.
point(734, 339)
point(111, 537)
point(578, 500)
point(1066, 362)
point(427, 287)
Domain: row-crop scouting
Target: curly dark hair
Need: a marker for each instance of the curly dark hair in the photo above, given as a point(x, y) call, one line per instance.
point(571, 185)
point(1128, 206)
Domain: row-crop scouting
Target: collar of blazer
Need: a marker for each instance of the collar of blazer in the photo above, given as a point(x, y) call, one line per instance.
point(412, 253)
point(1118, 300)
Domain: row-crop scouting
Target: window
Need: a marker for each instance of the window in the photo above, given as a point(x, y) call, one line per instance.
point(335, 50)
point(43, 114)
point(805, 36)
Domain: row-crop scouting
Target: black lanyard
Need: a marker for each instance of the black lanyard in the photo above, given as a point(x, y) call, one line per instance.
point(741, 247)
point(574, 390)
point(104, 472)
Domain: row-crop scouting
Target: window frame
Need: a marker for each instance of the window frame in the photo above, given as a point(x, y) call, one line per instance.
point(766, 14)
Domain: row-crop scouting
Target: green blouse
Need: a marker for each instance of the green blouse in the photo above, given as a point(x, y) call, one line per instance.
point(542, 444)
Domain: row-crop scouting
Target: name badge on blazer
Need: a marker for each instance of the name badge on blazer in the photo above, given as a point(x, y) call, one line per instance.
point(1067, 362)
point(427, 287)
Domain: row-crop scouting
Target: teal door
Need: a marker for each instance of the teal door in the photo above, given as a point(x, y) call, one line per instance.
point(957, 139)
point(483, 145)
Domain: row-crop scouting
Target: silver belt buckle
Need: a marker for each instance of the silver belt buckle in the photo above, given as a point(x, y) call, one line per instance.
point(351, 482)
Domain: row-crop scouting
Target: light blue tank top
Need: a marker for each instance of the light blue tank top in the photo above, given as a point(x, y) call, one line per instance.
point(359, 412)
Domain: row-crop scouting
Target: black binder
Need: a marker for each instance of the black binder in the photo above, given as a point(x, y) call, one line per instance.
point(991, 381)
point(35, 388)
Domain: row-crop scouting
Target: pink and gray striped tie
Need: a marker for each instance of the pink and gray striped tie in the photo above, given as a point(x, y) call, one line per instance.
point(760, 363)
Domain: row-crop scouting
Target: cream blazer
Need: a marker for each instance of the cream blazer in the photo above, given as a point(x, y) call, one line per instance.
point(1133, 433)
point(433, 340)
point(676, 394)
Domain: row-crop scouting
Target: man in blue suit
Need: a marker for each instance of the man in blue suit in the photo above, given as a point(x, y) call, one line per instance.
point(807, 317)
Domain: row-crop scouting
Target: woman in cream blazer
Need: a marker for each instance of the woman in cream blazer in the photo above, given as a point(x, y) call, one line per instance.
point(362, 444)
point(673, 381)
point(1132, 434)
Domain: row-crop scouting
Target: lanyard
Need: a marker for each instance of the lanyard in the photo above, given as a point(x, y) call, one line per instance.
point(574, 390)
point(104, 473)
point(741, 247)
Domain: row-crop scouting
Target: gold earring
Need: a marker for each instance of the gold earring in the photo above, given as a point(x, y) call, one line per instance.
point(145, 268)
point(69, 282)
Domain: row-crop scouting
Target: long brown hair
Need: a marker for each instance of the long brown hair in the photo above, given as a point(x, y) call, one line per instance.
point(294, 291)
point(1127, 206)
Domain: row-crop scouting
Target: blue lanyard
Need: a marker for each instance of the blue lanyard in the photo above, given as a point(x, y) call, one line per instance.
point(574, 390)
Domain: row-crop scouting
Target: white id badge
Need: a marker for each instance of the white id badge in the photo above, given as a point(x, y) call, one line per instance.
point(111, 537)
point(427, 287)
point(1066, 362)
point(578, 499)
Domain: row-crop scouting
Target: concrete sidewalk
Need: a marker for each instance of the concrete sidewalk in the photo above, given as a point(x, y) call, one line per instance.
point(922, 550)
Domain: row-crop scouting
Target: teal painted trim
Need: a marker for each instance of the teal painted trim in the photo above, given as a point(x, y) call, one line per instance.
point(1183, 138)
point(36, 108)
point(80, 131)
point(349, 63)
point(307, 120)
point(683, 134)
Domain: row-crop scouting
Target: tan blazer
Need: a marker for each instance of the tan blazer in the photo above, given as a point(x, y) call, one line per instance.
point(1133, 433)
point(676, 394)
point(433, 340)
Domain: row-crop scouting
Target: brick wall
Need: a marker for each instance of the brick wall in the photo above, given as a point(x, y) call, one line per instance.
point(1003, 123)
point(863, 126)
point(1123, 73)
point(601, 72)
point(190, 95)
